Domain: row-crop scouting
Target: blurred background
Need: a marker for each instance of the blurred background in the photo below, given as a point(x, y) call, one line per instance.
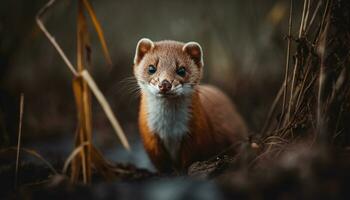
point(244, 54)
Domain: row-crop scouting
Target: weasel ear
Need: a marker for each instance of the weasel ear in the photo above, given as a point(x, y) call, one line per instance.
point(143, 46)
point(195, 51)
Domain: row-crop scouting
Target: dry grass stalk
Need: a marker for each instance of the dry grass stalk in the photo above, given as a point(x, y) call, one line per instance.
point(316, 105)
point(32, 153)
point(99, 30)
point(21, 107)
point(83, 102)
point(321, 80)
point(72, 156)
point(82, 84)
point(290, 24)
point(272, 110)
point(106, 107)
point(41, 25)
point(298, 62)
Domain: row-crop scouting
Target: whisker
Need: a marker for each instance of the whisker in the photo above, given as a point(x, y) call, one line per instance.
point(126, 82)
point(124, 89)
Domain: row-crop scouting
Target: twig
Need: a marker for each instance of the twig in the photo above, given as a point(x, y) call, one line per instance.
point(19, 137)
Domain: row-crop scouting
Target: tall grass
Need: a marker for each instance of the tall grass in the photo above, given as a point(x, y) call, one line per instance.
point(317, 88)
point(85, 156)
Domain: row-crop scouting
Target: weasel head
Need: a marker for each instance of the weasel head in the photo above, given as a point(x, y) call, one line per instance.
point(168, 69)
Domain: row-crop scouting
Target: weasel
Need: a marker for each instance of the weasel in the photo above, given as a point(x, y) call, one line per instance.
point(181, 121)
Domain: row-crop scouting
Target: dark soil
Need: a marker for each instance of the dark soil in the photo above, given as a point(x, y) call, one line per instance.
point(298, 172)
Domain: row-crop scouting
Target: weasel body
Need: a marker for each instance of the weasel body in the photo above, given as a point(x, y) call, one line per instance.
point(181, 121)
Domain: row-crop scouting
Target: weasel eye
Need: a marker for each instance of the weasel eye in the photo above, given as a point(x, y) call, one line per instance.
point(152, 69)
point(181, 71)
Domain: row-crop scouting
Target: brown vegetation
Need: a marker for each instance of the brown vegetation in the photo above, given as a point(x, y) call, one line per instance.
point(302, 150)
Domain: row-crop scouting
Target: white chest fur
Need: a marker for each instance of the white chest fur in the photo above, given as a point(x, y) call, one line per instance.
point(169, 119)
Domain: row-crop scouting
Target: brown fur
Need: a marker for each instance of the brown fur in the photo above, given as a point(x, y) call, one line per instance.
point(214, 124)
point(169, 54)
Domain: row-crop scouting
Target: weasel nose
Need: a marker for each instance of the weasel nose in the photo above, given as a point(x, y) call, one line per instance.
point(164, 86)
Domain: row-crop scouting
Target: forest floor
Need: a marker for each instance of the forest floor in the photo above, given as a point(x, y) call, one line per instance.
point(296, 172)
